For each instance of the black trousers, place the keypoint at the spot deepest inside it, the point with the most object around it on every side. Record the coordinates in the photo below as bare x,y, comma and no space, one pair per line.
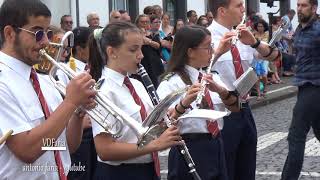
85,156
207,154
240,144
306,114
125,172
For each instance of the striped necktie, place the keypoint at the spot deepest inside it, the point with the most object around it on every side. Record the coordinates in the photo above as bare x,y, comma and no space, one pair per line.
143,114
211,126
45,108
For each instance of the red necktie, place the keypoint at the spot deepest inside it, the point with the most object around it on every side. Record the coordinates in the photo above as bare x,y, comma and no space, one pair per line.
237,65
212,126
143,114
236,61
36,86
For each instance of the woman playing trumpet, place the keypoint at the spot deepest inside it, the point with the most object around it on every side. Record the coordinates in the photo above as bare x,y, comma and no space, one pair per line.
192,50
119,158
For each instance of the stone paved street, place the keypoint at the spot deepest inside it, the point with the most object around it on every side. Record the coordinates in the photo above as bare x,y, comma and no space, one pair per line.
272,123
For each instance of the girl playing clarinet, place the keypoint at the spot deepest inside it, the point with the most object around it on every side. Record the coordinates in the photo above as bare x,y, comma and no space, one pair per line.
119,44
192,50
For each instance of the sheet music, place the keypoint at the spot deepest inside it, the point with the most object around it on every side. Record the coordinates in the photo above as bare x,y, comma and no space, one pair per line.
205,114
245,82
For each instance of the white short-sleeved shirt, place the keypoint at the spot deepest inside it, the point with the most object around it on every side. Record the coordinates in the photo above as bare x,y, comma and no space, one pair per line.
114,89
191,125
224,65
64,78
21,111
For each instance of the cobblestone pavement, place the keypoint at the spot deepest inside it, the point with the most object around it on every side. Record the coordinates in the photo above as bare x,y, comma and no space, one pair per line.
272,123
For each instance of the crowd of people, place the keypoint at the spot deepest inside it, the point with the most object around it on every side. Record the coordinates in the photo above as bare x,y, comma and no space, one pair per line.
174,55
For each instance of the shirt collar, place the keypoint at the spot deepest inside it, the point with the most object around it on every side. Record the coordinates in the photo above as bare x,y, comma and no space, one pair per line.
218,28
115,76
80,65
16,65
193,73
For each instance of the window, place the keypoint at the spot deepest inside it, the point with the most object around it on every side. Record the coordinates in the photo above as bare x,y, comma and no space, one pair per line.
176,9
119,4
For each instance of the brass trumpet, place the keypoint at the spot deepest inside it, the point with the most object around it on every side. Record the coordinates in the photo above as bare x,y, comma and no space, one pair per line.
104,106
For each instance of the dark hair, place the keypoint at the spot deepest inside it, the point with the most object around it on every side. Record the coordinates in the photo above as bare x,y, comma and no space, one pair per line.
81,37
313,2
202,17
121,11
187,37
263,22
148,10
216,4
189,13
174,31
291,11
112,35
64,16
275,20
15,13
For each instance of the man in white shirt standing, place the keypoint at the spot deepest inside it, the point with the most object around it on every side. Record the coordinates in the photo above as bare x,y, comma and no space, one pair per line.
239,133
30,105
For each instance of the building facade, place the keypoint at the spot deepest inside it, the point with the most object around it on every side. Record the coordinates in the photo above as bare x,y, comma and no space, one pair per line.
79,9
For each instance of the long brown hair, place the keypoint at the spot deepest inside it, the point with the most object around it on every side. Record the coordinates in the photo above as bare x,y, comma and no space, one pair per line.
187,37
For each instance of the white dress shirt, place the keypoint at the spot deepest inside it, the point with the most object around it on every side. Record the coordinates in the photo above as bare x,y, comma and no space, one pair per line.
191,125
114,89
224,65
79,68
21,111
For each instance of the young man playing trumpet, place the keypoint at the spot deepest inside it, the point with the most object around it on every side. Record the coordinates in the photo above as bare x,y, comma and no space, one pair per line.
239,133
30,105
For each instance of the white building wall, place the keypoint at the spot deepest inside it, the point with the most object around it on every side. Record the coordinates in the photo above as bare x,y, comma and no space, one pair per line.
58,8
101,7
199,6
144,3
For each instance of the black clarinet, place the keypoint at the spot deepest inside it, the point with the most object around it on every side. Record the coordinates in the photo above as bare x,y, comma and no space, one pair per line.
155,100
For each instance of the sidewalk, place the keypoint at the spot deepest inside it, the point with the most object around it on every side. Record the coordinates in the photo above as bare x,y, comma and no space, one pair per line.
275,92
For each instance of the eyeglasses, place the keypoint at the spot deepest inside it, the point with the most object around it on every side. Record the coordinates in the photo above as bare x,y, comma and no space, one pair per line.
39,34
209,48
144,22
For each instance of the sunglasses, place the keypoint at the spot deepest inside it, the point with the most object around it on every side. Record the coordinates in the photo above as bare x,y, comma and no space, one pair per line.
39,35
